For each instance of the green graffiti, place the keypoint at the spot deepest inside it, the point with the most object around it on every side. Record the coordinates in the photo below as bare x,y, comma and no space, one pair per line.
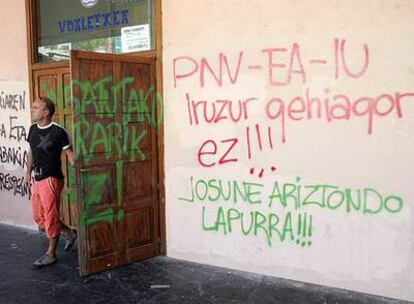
119,184
96,184
143,105
98,137
98,130
106,215
93,95
366,200
50,92
214,190
100,97
121,214
297,195
273,227
288,206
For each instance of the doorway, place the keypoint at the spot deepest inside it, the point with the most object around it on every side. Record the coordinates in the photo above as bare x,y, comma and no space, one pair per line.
110,106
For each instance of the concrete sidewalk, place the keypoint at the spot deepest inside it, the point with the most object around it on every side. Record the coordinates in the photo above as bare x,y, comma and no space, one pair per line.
158,280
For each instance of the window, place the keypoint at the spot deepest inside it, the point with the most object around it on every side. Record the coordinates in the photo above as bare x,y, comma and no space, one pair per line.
106,26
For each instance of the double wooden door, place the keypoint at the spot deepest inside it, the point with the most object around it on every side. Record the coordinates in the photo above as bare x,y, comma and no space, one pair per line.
110,106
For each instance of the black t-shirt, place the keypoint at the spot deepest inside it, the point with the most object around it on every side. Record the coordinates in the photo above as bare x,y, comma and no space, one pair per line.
46,144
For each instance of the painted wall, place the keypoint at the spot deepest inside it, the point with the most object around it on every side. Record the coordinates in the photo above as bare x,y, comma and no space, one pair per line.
14,115
289,139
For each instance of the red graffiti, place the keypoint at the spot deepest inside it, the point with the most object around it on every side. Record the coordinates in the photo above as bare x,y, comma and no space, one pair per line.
254,140
262,171
282,66
279,113
336,107
212,112
275,109
295,65
340,58
184,67
210,147
213,153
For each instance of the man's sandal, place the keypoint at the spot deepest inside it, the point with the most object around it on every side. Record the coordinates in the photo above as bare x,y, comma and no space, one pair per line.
44,260
70,241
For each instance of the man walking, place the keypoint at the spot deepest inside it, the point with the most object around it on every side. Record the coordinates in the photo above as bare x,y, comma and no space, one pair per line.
47,140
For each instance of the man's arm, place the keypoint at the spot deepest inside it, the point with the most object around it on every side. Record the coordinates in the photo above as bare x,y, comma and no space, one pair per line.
28,176
70,155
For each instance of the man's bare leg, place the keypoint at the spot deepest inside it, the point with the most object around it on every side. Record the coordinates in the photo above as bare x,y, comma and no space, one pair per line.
51,250
69,235
50,257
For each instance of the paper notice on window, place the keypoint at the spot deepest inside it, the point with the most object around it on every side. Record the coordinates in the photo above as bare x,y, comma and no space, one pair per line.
135,38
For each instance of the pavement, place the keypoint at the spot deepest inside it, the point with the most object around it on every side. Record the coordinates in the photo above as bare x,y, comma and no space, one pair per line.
159,280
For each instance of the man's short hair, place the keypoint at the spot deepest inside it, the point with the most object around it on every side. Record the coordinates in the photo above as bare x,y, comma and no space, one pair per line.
50,105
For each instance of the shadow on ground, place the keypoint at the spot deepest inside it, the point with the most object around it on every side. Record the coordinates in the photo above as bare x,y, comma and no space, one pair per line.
159,280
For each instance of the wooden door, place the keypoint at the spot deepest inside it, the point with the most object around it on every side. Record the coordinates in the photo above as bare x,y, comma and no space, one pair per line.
114,121
54,83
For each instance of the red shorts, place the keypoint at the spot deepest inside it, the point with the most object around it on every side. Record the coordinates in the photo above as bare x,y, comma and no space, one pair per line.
45,204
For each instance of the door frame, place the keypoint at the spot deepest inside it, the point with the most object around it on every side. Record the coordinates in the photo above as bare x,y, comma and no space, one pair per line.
31,30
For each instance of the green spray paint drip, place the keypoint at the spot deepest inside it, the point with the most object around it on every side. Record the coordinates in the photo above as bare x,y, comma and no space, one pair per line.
121,214
119,184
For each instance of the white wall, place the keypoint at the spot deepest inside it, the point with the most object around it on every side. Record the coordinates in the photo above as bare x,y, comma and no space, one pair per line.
14,115
369,151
